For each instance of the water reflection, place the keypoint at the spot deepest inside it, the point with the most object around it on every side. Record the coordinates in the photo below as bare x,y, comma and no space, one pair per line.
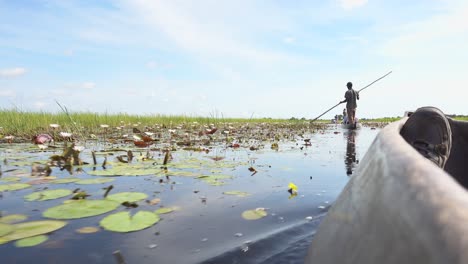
350,157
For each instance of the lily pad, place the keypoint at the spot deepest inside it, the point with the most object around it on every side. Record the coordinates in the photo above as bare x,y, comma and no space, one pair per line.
254,214
10,179
94,181
127,170
5,229
123,222
30,229
11,219
237,193
215,180
87,230
164,210
31,241
13,186
81,209
130,197
47,195
65,180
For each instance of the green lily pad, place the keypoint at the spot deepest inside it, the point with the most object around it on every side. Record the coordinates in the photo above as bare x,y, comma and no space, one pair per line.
65,180
94,181
47,195
182,173
254,214
11,219
13,186
31,241
81,209
130,197
215,180
123,222
10,179
127,170
5,229
237,193
30,229
164,210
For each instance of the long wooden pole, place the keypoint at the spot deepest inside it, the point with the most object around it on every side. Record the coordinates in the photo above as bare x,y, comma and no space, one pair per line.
358,92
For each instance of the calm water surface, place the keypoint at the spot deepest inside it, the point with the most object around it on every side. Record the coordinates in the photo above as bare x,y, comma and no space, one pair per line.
207,227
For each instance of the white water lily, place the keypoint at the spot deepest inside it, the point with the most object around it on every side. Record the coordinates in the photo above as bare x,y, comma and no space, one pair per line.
149,133
171,130
65,134
78,148
42,146
104,126
9,137
54,125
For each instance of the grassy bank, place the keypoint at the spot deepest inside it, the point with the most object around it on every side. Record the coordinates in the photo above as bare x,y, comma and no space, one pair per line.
27,124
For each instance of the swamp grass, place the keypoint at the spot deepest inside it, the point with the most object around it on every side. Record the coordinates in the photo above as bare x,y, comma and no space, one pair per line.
27,124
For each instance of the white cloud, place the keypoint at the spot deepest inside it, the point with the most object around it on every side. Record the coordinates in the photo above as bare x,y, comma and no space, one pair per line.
350,4
88,85
12,72
7,93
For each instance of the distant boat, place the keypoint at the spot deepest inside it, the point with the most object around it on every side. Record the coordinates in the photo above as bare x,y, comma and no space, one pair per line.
399,207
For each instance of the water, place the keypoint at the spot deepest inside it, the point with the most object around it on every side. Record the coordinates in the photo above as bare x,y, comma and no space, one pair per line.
208,227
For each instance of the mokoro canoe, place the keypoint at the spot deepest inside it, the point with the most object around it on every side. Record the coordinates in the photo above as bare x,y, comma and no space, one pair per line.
398,207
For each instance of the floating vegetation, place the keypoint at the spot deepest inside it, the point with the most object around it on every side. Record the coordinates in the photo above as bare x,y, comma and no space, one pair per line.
13,186
10,179
81,209
130,197
214,180
31,229
254,214
237,193
13,218
47,195
123,222
164,210
31,241
126,169
87,230
64,180
5,229
94,181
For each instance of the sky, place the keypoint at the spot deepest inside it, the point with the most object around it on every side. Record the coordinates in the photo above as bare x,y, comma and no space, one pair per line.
242,58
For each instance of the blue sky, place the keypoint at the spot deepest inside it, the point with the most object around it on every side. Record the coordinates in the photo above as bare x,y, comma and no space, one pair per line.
238,58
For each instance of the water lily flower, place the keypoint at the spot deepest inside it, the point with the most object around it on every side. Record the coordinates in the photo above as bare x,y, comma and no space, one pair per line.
292,188
171,130
104,126
65,134
149,133
54,125
78,148
9,138
42,147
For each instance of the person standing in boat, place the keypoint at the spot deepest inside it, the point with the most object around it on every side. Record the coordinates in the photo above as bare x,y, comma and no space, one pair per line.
351,97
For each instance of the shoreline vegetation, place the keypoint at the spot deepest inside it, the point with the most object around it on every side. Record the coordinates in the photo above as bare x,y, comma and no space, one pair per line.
27,124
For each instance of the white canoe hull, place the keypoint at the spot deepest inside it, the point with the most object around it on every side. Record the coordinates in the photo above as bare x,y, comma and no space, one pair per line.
398,207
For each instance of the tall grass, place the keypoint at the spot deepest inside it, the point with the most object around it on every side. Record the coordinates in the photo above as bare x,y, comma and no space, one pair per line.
26,124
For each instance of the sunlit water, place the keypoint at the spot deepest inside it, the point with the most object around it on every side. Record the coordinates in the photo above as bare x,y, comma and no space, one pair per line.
208,227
